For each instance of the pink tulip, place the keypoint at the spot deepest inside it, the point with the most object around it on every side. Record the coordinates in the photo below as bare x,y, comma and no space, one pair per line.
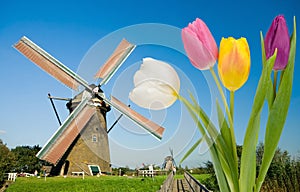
199,45
278,37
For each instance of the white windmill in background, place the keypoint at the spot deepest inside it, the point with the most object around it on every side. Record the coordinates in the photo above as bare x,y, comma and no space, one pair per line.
169,162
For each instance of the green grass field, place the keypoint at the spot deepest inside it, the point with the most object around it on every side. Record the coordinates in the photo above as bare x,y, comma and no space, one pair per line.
201,177
89,184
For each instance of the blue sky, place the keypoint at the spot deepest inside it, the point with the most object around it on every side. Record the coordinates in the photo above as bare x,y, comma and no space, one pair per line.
70,31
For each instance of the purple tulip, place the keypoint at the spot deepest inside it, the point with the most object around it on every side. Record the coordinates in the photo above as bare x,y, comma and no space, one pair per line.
278,37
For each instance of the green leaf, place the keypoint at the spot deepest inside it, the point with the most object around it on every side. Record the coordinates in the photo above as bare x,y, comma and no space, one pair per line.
226,135
278,112
229,168
225,153
263,53
225,132
208,124
270,92
190,107
189,152
248,159
210,128
222,181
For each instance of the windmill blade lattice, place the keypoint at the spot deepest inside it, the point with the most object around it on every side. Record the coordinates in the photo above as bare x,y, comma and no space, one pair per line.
113,63
49,64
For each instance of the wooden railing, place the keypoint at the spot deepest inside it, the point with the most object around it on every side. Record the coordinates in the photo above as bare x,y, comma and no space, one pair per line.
194,184
168,183
189,183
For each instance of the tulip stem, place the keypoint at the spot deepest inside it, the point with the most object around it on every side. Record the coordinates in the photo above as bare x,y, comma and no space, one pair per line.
232,104
222,96
228,114
275,84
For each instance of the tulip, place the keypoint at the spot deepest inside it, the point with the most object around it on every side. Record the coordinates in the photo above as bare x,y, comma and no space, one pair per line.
199,45
234,62
156,85
278,37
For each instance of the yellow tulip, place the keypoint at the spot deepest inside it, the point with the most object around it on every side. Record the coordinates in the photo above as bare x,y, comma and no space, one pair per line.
234,62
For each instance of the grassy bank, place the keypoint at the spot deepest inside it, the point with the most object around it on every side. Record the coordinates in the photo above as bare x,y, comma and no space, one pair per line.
201,178
89,184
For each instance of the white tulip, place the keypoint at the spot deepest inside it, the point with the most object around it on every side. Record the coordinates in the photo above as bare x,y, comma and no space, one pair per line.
156,85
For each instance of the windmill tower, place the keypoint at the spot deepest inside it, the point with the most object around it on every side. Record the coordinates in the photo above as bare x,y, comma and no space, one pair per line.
92,139
81,142
169,162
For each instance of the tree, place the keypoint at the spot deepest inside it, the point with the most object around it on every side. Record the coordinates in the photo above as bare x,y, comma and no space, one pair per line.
211,182
26,161
6,161
283,173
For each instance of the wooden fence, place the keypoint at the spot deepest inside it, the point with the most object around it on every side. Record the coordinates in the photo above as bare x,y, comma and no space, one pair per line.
168,183
194,184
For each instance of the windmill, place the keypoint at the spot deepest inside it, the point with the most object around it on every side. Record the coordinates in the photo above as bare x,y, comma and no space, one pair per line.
80,144
169,162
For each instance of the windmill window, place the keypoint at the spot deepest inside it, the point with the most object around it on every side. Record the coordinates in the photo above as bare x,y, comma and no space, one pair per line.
94,139
94,169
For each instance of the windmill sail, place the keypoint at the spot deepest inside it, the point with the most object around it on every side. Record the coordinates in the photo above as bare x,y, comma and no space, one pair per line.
155,129
49,64
65,75
61,140
119,55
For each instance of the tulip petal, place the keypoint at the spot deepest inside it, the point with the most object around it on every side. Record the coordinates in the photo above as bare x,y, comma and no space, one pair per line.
152,69
278,38
156,85
198,54
199,45
234,62
153,95
206,37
